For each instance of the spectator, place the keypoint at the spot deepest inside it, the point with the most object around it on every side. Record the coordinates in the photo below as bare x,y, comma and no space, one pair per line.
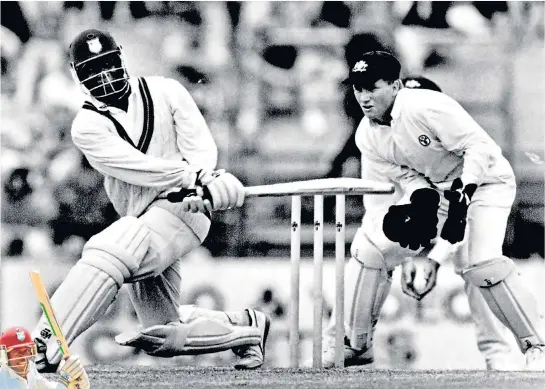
13,19
25,198
27,205
57,89
43,52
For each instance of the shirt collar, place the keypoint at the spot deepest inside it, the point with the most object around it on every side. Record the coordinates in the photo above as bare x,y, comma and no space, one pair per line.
396,109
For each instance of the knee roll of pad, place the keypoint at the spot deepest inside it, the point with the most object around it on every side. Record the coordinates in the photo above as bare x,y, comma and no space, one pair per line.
490,272
119,249
365,252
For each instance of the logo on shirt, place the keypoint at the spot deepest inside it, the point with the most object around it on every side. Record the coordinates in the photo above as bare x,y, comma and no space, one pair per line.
424,140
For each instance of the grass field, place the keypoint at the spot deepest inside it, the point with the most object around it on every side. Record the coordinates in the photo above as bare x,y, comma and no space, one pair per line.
134,377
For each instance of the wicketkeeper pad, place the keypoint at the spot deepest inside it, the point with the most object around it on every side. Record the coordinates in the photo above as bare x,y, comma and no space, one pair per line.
200,336
367,286
507,297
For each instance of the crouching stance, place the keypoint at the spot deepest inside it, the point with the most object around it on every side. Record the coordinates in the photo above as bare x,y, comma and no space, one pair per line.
18,370
455,181
147,137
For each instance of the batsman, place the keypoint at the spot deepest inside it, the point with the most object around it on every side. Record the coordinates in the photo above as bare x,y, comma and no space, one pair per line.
147,136
455,184
18,369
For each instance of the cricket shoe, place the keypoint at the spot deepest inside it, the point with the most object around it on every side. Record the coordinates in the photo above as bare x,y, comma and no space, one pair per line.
352,357
535,358
252,357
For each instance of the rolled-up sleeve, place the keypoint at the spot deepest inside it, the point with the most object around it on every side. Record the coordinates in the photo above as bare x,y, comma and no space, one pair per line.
112,156
194,138
461,134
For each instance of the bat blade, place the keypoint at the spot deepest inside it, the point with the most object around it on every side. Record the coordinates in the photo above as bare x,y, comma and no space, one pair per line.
47,308
324,186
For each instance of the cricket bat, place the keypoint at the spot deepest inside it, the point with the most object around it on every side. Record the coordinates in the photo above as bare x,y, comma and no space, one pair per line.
43,298
323,186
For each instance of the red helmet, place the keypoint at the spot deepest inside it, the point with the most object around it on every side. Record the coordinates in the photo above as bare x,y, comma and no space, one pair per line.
20,348
97,64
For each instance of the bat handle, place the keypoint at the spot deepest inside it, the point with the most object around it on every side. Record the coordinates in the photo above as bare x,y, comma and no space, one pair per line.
178,197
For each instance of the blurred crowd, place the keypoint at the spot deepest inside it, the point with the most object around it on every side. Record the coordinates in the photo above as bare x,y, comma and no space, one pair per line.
243,62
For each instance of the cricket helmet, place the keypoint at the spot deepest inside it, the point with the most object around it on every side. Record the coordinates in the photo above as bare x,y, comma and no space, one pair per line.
97,64
20,349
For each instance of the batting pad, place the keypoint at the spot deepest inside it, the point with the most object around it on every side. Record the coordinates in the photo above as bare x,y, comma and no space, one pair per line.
200,336
503,290
108,259
82,298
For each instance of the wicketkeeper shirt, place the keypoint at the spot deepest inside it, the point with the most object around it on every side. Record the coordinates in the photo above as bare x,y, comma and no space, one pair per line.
431,139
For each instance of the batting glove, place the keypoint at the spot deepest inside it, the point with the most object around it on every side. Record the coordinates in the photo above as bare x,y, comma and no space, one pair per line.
194,201
216,190
72,374
223,189
48,357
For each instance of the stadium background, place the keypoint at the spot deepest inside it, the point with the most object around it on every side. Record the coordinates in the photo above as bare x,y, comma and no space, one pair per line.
267,77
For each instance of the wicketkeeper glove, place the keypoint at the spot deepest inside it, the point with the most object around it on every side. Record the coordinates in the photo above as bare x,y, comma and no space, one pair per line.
415,224
459,197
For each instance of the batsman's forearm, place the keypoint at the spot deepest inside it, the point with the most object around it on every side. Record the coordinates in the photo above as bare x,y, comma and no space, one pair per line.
112,156
143,173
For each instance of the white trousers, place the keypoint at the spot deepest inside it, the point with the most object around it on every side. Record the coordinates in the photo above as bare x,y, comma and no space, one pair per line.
487,222
155,288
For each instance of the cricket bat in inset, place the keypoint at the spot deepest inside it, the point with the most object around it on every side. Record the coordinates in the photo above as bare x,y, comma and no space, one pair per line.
43,298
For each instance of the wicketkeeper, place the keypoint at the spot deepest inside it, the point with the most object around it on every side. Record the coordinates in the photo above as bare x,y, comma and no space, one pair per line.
492,337
456,183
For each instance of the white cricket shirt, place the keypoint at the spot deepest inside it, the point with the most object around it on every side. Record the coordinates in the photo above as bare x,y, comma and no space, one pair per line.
175,143
432,139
